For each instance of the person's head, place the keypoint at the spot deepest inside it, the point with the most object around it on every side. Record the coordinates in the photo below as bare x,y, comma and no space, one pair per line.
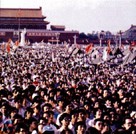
74,116
17,119
33,123
98,124
13,111
96,104
52,116
41,124
60,102
106,127
37,109
48,116
120,92
116,104
128,123
68,108
65,119
106,116
105,93
108,102
98,113
47,107
87,106
81,114
80,127
4,109
133,114
18,104
28,113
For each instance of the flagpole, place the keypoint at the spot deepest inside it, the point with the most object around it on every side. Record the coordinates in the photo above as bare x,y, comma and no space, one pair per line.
19,23
100,42
75,37
120,33
57,37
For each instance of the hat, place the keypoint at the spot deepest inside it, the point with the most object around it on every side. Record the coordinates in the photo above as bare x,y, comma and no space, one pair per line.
133,113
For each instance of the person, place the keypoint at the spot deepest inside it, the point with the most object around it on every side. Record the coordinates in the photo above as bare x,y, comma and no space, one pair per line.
97,115
128,125
48,127
97,128
74,116
80,127
67,109
22,129
64,122
30,77
41,124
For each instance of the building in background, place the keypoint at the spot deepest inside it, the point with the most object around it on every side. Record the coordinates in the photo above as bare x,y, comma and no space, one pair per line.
14,20
130,34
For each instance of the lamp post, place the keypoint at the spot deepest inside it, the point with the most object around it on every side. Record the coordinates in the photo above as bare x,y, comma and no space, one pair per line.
101,36
120,36
116,40
57,37
75,37
52,40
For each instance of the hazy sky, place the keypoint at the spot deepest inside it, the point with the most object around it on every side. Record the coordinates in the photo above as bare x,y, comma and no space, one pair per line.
83,15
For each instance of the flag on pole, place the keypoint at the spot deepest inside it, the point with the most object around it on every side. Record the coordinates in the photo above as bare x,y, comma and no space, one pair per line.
108,47
89,48
8,46
133,44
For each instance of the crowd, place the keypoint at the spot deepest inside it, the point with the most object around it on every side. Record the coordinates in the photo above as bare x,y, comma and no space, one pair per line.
46,91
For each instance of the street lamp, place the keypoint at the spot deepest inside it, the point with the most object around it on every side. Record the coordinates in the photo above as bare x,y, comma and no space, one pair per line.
75,41
101,36
57,37
120,36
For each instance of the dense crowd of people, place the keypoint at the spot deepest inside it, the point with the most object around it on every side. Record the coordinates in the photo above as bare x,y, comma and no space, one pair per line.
46,91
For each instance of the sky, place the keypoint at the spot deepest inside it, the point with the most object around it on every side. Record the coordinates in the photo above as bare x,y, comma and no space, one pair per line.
83,15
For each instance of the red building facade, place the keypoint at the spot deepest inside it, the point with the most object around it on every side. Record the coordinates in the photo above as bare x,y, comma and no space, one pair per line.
14,20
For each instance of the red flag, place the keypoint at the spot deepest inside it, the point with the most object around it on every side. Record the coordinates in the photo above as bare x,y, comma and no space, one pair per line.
8,47
109,48
89,48
109,42
133,43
